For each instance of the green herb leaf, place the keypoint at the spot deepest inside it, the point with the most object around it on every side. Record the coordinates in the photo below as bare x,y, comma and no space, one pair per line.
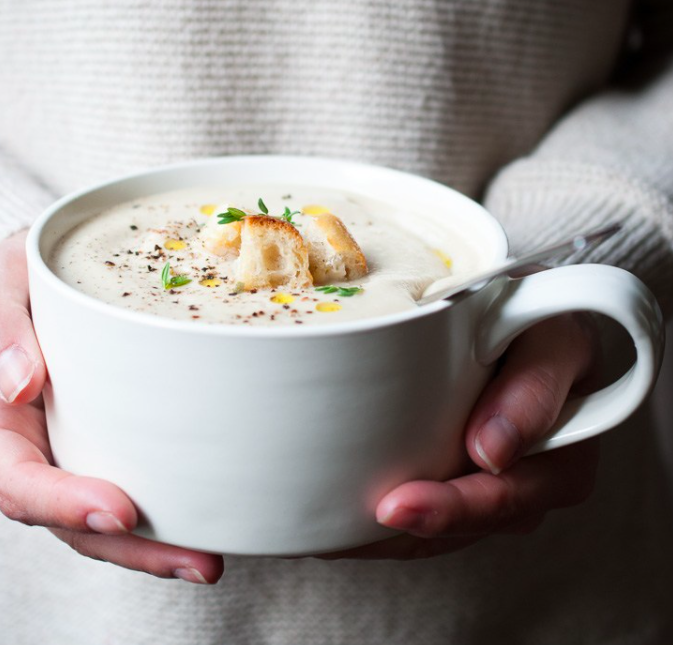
347,292
179,281
288,215
344,292
236,215
165,274
171,282
231,215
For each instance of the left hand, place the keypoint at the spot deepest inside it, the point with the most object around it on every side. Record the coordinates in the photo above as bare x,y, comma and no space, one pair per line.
510,493
93,516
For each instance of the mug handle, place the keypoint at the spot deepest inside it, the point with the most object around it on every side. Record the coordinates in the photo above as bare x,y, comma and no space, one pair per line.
588,287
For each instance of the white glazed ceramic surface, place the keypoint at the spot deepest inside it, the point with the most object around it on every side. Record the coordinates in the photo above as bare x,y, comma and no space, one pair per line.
280,441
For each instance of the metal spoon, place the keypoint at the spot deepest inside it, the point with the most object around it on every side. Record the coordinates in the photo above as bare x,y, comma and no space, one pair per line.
577,243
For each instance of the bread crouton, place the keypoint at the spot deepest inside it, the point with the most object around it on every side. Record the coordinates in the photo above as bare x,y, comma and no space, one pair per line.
334,256
272,254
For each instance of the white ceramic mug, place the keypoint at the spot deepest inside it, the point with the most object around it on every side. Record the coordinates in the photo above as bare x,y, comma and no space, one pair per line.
281,441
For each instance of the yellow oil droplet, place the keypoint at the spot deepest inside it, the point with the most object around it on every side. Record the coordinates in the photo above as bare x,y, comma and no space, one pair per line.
282,298
174,245
208,209
314,209
328,307
444,258
210,282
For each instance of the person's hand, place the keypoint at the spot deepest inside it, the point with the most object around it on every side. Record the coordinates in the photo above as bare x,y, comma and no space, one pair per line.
510,493
93,516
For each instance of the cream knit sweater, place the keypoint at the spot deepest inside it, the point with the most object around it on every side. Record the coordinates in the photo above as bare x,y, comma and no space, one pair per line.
559,115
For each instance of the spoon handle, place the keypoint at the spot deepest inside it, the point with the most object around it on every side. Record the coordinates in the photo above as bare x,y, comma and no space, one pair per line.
577,243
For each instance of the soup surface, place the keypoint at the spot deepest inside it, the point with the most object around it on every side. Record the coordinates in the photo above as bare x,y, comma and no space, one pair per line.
149,255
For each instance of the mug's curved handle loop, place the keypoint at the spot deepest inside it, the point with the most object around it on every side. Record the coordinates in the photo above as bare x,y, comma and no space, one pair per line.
589,287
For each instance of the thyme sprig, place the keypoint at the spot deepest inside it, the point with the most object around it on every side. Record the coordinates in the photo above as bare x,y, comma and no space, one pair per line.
288,215
231,215
344,292
170,282
236,215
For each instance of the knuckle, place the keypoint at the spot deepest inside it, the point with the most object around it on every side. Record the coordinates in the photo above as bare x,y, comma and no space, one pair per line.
506,506
13,511
503,507
498,493
16,314
543,387
76,542
79,542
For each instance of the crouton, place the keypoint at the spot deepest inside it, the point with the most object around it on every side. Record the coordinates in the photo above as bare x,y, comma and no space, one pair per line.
334,256
272,254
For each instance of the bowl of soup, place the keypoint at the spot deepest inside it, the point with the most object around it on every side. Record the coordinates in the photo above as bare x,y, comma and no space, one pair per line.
271,419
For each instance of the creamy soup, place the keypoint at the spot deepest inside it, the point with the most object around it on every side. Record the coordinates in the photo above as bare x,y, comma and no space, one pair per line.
149,255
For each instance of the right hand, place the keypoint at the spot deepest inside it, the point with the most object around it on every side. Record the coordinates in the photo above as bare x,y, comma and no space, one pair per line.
91,515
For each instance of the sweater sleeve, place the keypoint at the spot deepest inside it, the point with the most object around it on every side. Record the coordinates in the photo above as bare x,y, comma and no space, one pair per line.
609,159
22,196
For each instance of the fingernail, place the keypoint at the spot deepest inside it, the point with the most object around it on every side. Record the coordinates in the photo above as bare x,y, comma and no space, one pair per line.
104,522
190,574
16,370
498,443
405,519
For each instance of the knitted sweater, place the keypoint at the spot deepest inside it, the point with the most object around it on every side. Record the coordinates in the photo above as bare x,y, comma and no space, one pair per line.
558,115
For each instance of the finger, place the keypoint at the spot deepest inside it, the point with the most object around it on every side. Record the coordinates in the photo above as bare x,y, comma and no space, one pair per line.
33,492
482,503
22,370
139,554
519,407
29,422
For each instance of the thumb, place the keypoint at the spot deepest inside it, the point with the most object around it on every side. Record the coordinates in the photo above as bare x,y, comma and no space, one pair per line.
22,369
519,407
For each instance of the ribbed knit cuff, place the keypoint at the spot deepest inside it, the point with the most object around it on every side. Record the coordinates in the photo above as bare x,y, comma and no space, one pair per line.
540,202
22,197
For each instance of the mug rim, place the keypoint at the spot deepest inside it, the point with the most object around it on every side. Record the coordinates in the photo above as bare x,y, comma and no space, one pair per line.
37,263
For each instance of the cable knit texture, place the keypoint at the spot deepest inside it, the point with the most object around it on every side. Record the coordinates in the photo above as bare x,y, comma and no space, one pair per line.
557,114
22,196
